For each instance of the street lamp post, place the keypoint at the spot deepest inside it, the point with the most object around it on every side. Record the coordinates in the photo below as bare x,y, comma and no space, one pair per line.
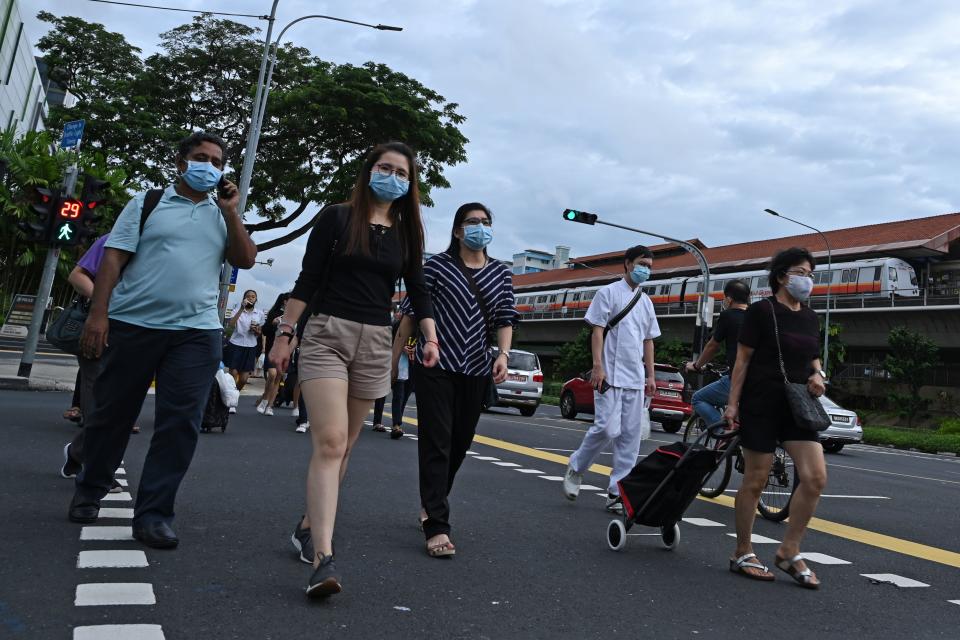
826,321
256,119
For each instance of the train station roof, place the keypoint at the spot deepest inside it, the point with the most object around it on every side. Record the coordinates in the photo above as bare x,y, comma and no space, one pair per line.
932,237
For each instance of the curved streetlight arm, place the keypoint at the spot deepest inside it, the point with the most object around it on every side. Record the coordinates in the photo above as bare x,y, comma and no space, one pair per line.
826,321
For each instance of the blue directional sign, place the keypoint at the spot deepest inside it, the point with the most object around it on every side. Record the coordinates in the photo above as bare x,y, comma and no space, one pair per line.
72,132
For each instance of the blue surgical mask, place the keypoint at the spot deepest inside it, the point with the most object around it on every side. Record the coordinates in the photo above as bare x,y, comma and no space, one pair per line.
477,236
388,188
201,176
640,274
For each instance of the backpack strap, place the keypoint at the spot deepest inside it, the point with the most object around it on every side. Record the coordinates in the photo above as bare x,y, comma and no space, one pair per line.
150,202
623,312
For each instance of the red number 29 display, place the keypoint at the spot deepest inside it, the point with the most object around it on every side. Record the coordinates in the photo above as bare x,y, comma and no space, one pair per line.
70,209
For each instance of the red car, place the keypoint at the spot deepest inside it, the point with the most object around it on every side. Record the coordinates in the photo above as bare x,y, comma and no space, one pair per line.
668,406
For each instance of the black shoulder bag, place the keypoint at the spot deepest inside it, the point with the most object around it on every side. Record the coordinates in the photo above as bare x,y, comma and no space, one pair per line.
65,332
490,398
614,321
806,409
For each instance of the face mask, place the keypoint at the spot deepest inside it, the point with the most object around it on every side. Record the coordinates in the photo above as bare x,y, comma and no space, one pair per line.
640,274
201,176
799,287
477,236
388,188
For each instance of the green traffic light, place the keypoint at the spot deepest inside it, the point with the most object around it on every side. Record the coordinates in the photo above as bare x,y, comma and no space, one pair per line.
65,233
571,215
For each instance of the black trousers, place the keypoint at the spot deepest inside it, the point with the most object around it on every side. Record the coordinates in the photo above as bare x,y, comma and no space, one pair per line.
86,377
400,393
184,362
448,409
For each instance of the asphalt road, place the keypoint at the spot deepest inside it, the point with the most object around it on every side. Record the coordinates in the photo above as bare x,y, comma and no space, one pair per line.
529,564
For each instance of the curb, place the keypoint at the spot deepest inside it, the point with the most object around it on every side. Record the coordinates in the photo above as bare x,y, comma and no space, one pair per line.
16,383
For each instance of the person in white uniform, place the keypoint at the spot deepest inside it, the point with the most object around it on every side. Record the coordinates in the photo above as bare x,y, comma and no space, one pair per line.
624,361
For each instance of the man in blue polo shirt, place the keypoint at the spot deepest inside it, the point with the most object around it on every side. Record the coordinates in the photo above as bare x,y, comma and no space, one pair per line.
159,320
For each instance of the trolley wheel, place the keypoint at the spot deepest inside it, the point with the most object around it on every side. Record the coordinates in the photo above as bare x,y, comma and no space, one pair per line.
616,535
670,537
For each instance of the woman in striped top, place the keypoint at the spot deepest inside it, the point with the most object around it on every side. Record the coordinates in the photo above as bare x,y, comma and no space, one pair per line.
449,395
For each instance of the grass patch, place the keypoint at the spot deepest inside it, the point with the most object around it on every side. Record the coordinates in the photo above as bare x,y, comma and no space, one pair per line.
928,441
554,400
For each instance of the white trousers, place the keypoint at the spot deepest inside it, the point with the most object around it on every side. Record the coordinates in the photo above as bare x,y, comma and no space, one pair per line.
618,419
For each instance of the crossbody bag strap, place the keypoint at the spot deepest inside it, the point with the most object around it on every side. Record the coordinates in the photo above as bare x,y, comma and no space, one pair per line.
623,312
472,283
776,335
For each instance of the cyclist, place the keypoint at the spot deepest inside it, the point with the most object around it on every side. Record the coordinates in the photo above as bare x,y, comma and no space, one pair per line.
709,400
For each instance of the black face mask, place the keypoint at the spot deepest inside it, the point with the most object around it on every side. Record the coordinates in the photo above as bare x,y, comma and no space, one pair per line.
248,305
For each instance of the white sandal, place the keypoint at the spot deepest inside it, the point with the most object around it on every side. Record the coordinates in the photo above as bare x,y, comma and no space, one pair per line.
741,564
804,578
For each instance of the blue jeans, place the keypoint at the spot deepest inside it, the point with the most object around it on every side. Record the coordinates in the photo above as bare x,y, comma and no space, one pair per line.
708,400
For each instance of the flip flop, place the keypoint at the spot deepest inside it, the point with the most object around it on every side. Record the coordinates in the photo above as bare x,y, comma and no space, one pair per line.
804,578
396,433
442,550
741,564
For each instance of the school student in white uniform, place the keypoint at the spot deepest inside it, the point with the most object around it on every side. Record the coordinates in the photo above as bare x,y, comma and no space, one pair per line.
624,361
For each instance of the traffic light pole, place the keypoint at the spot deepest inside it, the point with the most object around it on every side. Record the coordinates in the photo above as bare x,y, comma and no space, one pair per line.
46,284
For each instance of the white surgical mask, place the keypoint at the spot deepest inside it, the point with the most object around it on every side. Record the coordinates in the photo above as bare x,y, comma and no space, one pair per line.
799,287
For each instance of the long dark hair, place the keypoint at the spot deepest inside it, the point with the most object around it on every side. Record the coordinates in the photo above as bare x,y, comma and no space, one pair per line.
454,249
277,309
405,210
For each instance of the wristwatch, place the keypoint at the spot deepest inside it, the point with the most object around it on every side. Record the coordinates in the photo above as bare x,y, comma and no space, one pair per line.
504,353
823,374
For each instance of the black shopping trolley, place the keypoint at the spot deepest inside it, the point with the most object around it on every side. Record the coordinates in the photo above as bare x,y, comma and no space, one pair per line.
658,490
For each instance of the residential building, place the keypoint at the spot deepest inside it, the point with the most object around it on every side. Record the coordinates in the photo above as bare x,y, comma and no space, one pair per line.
535,261
22,95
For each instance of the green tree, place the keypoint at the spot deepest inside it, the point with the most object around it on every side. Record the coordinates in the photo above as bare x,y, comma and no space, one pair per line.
672,352
838,349
576,356
911,355
321,118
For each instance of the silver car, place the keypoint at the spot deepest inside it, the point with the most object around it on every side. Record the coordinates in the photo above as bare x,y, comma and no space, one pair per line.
523,387
844,427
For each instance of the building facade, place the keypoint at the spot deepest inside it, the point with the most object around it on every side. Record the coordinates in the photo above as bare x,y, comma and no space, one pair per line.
22,97
535,261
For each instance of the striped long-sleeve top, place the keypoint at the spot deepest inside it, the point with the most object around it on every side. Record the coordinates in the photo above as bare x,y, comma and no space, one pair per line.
464,346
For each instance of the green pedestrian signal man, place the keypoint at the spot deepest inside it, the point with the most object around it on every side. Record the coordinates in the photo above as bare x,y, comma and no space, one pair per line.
65,232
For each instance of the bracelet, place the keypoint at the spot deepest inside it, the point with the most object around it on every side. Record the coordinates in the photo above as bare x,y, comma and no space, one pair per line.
289,335
285,324
434,342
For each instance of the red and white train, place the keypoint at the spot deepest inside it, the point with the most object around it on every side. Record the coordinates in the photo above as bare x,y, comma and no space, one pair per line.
872,277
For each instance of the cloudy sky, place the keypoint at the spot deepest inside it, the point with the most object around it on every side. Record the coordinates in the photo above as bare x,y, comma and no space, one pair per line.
683,117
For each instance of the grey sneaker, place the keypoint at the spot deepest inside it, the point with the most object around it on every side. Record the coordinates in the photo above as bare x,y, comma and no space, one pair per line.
571,483
325,580
70,467
302,542
614,504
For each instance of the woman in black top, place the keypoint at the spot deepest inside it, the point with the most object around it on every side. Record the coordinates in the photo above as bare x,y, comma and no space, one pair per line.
270,374
356,252
449,396
758,405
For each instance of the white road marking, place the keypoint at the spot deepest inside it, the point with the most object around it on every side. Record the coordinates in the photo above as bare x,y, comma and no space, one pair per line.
471,453
489,458
822,558
756,538
122,482
954,601
119,632
106,533
602,494
114,593
115,512
590,487
825,495
536,471
554,478
123,496
703,522
893,578
120,472
506,464
891,473
111,559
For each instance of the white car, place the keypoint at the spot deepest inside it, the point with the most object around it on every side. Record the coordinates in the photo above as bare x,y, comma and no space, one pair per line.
844,427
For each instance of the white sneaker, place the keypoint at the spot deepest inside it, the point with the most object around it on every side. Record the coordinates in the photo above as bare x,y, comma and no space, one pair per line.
302,428
571,483
262,406
295,412
268,411
614,504
232,410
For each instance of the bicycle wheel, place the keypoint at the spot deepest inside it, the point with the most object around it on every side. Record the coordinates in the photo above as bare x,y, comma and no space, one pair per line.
782,481
693,428
717,481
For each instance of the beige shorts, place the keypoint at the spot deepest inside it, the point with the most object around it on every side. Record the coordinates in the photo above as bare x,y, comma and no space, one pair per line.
358,353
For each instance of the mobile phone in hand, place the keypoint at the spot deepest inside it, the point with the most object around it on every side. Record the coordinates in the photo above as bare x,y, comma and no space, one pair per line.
603,387
222,189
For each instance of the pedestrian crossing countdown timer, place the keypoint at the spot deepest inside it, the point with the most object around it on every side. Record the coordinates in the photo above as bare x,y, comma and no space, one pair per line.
66,230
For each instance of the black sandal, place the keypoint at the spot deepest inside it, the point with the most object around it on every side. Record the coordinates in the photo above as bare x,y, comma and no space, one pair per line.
396,433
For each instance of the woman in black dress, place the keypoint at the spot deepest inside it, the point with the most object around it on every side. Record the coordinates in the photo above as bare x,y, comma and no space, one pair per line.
758,406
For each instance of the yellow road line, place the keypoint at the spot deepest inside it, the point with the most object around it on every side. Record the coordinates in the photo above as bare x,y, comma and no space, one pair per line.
863,536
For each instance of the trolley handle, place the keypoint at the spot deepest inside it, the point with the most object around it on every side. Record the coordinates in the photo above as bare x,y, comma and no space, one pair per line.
721,431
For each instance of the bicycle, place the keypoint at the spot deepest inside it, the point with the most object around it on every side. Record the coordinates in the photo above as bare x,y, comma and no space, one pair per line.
782,480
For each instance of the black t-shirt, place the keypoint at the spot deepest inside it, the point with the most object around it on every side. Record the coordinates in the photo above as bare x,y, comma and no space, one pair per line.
358,287
799,339
727,332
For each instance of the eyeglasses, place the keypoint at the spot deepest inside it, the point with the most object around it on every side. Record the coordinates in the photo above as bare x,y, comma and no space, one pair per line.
386,169
801,273
472,222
